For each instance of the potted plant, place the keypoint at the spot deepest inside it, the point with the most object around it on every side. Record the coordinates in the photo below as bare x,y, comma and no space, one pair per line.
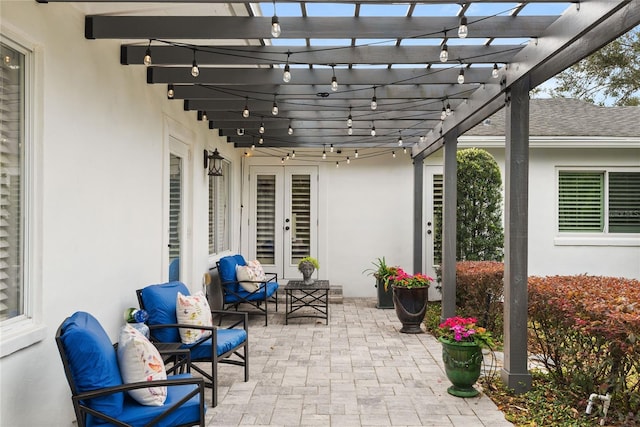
307,266
462,342
410,297
382,272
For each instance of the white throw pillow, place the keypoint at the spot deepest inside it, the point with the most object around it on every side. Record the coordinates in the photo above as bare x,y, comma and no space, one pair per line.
139,360
258,271
247,278
193,310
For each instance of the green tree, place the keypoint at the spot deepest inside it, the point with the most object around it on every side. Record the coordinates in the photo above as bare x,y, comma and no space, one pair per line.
610,75
479,215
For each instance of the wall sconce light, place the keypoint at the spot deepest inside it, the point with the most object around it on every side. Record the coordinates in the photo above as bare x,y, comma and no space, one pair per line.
213,162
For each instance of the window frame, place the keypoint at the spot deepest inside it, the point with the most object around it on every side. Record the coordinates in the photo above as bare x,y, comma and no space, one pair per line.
27,329
593,238
212,199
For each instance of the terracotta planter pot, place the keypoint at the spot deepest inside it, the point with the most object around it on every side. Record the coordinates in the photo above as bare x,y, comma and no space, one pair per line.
462,363
411,307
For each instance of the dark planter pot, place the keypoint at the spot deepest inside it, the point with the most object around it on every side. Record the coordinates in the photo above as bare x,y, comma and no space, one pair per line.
462,363
411,307
385,298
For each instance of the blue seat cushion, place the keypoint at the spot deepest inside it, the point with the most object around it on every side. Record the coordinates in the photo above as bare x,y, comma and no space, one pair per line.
227,339
242,295
160,302
92,360
227,267
137,415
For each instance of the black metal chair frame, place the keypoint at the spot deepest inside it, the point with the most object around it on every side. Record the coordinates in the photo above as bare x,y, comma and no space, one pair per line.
227,289
79,399
241,352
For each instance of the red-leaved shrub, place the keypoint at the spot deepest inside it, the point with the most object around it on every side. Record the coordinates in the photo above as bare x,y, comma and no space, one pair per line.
588,330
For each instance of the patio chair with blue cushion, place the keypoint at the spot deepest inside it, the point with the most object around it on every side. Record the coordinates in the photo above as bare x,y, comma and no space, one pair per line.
100,396
255,292
224,344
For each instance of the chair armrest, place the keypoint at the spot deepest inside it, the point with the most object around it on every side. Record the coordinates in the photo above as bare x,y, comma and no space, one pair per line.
133,386
242,315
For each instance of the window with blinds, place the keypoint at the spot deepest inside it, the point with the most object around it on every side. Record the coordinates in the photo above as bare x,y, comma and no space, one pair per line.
599,201
300,217
437,218
175,205
12,120
219,214
624,202
265,218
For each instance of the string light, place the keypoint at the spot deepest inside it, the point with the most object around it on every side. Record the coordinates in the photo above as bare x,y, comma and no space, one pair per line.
373,129
374,100
448,109
147,55
348,160
253,146
349,130
444,53
405,150
245,112
293,154
170,91
463,30
261,128
286,76
356,154
400,139
494,72
393,153
421,139
337,165
443,114
261,141
324,154
349,119
195,71
290,129
204,116
334,81
275,23
461,76
331,148
274,109
282,160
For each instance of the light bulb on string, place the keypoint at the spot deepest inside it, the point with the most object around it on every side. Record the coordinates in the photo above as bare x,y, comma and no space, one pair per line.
400,142
463,30
334,80
448,109
288,157
147,55
253,147
356,154
374,100
170,91
293,154
373,129
421,139
261,140
349,130
461,76
245,112
261,128
494,72
337,165
331,148
349,119
274,109
286,76
443,114
290,130
282,160
405,150
348,160
275,23
324,154
444,52
195,71
204,116
393,153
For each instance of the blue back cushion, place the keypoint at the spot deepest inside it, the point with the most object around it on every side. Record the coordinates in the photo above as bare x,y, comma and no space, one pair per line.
227,267
160,302
92,360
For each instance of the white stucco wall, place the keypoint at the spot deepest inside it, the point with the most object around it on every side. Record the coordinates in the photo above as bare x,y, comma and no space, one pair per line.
101,136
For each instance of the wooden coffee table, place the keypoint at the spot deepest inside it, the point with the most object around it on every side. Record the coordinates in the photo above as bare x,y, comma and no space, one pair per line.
307,300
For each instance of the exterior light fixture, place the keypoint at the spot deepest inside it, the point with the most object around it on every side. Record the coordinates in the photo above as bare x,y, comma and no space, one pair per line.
463,30
147,55
245,112
170,91
494,72
213,162
334,80
461,76
195,71
275,23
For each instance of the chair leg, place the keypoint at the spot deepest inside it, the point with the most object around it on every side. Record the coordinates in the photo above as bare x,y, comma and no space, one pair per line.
214,381
246,362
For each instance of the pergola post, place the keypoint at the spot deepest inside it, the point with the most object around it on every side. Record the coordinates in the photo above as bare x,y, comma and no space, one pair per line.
418,203
515,373
449,207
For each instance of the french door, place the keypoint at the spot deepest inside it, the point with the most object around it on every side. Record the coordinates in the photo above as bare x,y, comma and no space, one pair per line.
283,217
433,223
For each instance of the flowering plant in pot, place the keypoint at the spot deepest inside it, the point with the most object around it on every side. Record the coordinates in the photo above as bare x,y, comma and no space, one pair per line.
462,342
382,273
410,298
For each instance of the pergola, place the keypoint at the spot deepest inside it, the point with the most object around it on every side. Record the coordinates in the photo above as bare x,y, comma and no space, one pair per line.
220,58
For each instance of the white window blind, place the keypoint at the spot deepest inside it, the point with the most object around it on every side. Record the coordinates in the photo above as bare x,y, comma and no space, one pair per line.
581,201
624,202
437,218
300,217
265,218
12,108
